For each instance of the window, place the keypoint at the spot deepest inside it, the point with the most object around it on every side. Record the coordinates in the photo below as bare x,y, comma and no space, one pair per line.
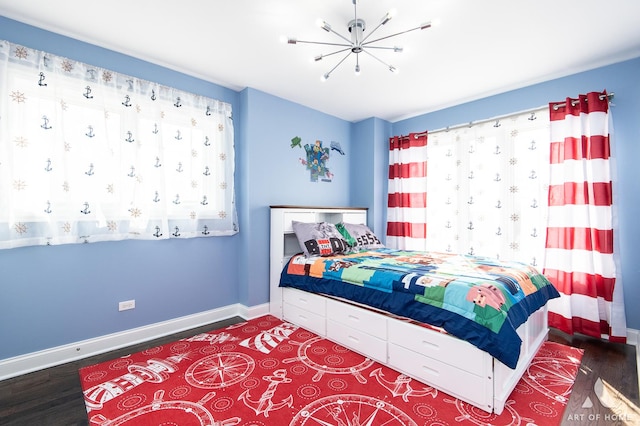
87,154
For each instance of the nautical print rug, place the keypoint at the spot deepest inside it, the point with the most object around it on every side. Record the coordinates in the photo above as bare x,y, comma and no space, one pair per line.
269,372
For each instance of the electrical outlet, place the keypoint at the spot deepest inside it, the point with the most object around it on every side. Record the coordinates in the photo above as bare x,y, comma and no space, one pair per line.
127,304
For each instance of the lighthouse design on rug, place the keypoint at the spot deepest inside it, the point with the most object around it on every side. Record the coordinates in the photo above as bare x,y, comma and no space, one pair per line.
154,371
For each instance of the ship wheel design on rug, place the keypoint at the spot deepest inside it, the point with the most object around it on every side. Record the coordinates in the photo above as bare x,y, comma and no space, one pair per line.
323,356
481,418
182,412
551,377
219,370
353,410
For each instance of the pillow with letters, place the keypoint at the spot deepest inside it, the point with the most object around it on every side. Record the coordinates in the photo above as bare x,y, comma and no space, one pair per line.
319,239
359,236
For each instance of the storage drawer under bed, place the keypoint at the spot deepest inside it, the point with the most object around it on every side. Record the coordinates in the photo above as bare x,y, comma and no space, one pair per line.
472,388
440,346
357,340
358,318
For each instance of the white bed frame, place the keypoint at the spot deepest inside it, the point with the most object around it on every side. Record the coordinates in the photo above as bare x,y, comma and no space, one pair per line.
447,363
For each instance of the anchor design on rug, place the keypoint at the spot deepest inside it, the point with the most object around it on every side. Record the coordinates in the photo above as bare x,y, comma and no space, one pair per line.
265,403
401,386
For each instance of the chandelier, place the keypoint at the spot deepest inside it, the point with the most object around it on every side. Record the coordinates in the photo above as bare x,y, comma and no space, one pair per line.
357,43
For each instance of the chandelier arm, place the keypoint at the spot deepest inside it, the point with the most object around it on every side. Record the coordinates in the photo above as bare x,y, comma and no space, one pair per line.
338,64
323,43
385,48
369,35
333,53
340,35
391,67
397,34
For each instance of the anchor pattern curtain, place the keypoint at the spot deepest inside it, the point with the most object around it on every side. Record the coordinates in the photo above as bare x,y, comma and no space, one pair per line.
580,256
88,154
407,197
476,189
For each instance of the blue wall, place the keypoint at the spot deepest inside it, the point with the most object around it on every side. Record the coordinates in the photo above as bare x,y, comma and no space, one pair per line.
271,174
50,296
621,79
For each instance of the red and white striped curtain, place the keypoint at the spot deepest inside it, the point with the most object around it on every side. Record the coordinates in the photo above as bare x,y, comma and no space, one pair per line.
407,201
580,254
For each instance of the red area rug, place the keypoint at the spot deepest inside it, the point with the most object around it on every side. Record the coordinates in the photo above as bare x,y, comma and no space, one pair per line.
266,372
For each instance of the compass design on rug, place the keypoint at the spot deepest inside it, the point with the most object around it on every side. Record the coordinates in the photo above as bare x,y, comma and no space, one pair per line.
353,410
220,370
183,412
318,352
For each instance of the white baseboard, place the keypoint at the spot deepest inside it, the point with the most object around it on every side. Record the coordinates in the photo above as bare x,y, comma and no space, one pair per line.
253,311
22,364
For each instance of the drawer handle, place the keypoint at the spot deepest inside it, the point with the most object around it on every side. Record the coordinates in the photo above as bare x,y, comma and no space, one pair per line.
431,371
353,317
302,300
302,317
355,339
433,345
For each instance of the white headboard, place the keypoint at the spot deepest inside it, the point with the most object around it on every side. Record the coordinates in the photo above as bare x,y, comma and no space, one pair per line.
284,244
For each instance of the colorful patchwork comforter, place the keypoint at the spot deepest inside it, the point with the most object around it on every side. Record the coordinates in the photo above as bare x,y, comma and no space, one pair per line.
477,299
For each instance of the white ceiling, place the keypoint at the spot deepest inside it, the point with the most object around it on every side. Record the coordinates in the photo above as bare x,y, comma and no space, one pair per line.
478,49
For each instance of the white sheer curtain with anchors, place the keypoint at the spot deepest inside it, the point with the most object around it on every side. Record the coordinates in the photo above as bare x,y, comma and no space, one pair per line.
88,154
486,188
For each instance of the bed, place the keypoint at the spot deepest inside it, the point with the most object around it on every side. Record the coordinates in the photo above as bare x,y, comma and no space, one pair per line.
477,358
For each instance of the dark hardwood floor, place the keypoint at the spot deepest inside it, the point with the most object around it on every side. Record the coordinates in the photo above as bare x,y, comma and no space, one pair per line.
54,397
615,365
